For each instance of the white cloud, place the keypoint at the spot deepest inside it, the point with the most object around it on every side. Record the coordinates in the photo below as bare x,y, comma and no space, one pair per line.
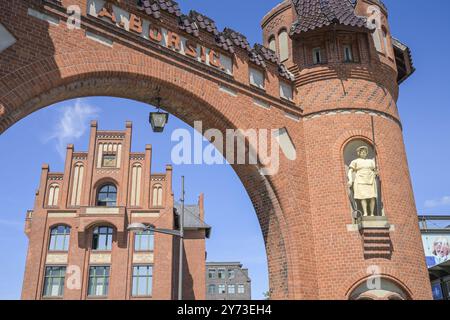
8,224
444,201
72,124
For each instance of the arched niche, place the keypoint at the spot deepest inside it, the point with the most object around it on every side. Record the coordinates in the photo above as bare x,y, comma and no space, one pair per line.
379,289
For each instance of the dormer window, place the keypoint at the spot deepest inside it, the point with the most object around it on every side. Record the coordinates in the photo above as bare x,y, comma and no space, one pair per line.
348,53
109,160
317,55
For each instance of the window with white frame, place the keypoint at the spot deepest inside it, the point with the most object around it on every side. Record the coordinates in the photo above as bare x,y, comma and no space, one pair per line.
286,91
231,289
317,55
144,241
221,273
211,273
54,281
59,238
142,281
222,289
241,289
211,289
256,78
98,285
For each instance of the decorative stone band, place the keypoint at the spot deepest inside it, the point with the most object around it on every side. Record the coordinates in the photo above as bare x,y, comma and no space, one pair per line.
102,210
54,258
334,112
145,214
100,258
62,214
143,258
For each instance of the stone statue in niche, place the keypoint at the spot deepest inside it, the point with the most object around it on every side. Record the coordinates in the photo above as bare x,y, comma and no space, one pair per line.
362,177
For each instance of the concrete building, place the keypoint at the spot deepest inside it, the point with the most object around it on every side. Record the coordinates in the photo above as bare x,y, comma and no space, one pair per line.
227,281
79,246
435,231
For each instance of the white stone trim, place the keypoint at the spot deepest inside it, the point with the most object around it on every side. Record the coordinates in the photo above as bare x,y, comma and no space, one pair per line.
100,258
143,258
53,258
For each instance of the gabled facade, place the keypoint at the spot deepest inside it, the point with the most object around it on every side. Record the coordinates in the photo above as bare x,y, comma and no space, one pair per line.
79,246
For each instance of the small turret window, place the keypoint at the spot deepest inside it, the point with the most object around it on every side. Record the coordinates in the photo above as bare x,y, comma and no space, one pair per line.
283,43
317,56
348,53
272,44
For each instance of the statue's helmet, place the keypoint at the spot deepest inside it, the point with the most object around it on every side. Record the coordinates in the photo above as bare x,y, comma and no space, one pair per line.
361,149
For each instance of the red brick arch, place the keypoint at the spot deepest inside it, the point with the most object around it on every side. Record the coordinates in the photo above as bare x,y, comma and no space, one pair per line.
137,77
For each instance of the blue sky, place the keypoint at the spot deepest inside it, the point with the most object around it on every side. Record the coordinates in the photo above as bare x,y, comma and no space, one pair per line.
42,136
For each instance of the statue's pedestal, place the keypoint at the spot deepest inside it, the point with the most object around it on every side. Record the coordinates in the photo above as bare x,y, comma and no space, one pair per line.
375,223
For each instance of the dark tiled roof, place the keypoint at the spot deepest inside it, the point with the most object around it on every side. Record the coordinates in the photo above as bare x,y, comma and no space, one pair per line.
229,39
314,14
204,22
192,217
155,7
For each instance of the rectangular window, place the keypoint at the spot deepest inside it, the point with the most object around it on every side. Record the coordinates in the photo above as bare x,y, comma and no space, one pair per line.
98,281
241,289
256,78
54,281
142,281
211,289
59,238
109,160
211,273
102,239
231,289
222,289
221,273
144,241
230,274
437,291
317,56
286,91
348,53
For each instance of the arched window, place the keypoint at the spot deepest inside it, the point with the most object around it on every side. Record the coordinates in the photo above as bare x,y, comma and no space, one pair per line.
377,40
283,44
77,184
385,40
53,195
59,238
107,196
136,173
157,195
102,238
272,44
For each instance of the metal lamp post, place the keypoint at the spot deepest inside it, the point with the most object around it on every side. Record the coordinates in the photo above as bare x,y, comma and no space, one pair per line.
140,227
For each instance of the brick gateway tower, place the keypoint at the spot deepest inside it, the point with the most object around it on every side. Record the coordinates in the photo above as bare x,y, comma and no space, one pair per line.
327,71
